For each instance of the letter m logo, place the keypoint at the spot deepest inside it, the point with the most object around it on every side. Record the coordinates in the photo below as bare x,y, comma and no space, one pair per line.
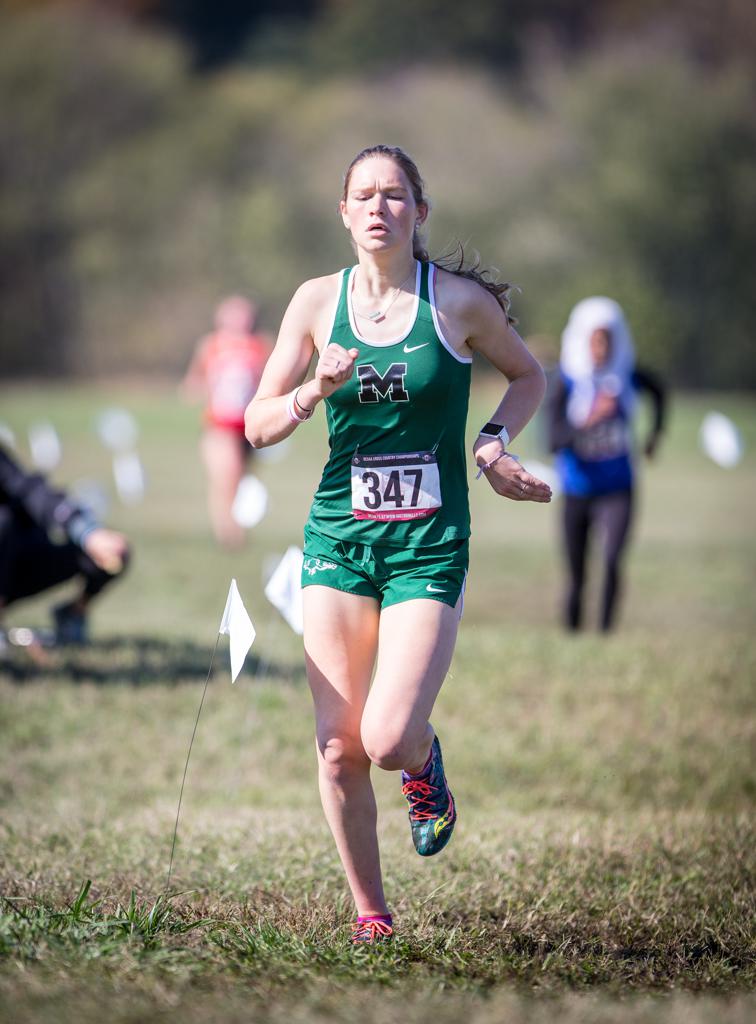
374,387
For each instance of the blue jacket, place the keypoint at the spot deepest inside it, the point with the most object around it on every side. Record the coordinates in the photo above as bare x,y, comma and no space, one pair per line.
597,460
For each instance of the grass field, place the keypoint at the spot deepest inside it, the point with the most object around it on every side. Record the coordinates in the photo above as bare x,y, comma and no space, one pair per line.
603,867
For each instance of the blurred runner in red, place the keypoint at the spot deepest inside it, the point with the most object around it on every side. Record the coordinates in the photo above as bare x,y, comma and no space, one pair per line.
225,370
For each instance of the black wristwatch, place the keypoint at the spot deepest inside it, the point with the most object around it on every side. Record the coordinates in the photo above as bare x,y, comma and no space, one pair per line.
495,430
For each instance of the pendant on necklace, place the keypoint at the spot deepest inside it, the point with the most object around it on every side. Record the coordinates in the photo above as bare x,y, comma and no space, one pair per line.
380,314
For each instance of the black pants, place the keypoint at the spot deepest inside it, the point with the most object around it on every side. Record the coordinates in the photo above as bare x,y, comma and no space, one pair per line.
31,563
612,515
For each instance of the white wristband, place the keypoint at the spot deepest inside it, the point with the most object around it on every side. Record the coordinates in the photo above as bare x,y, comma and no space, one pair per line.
293,407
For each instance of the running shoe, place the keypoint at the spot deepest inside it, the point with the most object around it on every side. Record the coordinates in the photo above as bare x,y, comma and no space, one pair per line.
371,933
432,813
70,625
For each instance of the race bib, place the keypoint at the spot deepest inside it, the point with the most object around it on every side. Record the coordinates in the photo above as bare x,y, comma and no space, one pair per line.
606,440
395,487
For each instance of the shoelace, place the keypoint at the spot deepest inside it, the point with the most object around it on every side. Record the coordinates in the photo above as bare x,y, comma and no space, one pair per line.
371,931
418,793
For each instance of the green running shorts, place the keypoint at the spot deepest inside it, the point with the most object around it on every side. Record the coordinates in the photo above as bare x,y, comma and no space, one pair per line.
390,575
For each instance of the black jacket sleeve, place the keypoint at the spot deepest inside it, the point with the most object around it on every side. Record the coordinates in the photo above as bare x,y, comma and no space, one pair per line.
644,380
31,498
561,432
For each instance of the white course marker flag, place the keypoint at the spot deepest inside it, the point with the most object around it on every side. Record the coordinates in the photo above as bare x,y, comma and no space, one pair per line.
44,443
128,473
284,588
237,625
250,503
720,439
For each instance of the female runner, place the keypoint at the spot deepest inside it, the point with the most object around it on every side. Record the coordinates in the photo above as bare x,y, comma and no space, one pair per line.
386,543
225,370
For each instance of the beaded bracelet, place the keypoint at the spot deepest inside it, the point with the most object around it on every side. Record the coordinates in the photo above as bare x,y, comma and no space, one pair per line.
291,408
494,460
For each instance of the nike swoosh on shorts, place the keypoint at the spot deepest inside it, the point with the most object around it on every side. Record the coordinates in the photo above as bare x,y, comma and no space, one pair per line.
434,590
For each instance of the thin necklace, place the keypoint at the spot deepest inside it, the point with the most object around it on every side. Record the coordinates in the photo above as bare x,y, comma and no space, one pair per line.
380,314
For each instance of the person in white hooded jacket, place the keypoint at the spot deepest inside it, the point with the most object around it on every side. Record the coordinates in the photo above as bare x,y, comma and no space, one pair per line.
591,415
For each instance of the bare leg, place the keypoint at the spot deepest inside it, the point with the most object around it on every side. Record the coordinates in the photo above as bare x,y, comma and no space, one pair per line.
224,465
387,724
341,635
416,645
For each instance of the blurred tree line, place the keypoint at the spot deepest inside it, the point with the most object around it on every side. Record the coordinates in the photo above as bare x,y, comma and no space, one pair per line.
155,155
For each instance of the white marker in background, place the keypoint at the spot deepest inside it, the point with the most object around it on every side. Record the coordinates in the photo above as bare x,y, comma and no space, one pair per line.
44,445
129,477
720,439
117,429
7,437
250,503
284,588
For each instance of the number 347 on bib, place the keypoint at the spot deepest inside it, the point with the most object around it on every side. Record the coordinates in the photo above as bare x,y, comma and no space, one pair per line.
395,487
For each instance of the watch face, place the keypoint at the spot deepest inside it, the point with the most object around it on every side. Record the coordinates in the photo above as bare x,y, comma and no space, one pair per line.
491,429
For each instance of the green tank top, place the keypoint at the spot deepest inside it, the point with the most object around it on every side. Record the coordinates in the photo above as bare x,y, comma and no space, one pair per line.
397,471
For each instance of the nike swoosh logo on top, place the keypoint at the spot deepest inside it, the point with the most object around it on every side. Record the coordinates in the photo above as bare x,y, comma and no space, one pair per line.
434,590
414,348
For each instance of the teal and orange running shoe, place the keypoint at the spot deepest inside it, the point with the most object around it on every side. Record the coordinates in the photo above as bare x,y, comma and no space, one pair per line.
372,931
432,812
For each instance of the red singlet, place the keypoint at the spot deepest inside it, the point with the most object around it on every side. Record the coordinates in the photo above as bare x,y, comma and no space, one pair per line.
232,365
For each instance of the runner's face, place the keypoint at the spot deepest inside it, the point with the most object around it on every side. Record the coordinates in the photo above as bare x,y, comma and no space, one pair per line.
600,346
380,210
236,315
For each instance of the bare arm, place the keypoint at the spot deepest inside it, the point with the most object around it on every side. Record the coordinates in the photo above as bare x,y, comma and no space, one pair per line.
502,346
303,332
487,332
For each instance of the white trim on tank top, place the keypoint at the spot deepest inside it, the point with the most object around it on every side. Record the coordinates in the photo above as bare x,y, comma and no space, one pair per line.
393,341
436,324
336,306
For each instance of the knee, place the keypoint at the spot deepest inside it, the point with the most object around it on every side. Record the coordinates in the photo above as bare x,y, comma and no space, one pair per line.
342,758
389,747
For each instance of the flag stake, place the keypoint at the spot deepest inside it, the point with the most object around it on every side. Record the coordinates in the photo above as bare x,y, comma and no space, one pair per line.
237,625
186,766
